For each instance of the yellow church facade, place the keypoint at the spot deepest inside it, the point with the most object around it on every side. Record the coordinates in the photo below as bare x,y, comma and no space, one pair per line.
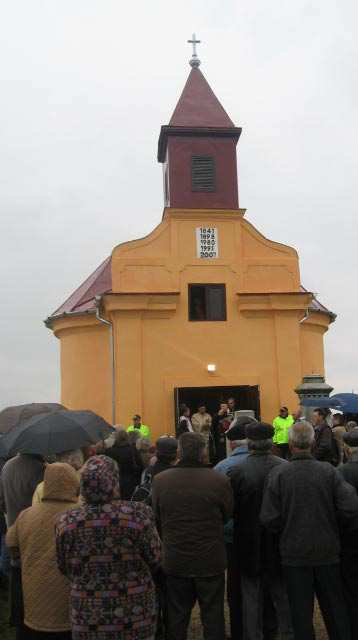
203,308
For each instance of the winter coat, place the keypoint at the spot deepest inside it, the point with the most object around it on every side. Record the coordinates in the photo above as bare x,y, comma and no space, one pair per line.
304,501
46,591
191,504
130,467
349,538
19,479
256,547
349,471
108,549
323,448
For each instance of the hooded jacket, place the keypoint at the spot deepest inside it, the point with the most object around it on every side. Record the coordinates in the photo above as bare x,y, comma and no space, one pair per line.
46,591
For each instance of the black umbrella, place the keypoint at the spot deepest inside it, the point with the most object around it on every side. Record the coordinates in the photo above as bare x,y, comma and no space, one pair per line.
12,416
51,433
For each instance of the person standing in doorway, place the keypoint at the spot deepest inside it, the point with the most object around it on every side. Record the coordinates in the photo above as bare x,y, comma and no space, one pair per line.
281,425
231,403
220,425
184,424
201,422
143,429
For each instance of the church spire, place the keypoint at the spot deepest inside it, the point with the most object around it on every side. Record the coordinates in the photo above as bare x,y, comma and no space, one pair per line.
198,105
198,148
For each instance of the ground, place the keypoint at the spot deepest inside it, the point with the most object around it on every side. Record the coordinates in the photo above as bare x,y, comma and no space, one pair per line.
195,634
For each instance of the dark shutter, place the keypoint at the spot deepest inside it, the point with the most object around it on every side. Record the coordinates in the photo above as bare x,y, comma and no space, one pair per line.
216,302
202,173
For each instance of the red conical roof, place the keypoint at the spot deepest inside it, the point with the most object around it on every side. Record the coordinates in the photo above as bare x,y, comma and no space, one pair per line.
198,105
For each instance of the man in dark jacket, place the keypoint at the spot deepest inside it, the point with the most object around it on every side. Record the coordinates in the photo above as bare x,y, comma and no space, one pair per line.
166,450
323,447
304,502
257,549
191,503
349,540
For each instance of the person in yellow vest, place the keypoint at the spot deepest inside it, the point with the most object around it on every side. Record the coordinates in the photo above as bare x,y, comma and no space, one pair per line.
282,424
142,428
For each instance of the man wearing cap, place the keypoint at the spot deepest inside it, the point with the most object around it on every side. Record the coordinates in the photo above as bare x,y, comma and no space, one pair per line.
138,426
349,539
166,449
257,549
236,437
282,424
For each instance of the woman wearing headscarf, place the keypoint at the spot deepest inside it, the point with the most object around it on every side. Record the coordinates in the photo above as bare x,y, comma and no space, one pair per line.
46,591
109,549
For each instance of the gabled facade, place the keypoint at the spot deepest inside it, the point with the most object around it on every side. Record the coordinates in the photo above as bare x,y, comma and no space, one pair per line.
204,288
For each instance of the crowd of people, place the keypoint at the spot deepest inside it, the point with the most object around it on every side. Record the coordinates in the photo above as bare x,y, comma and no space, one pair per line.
120,541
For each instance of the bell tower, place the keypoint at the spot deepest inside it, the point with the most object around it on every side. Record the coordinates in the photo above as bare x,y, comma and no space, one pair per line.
198,148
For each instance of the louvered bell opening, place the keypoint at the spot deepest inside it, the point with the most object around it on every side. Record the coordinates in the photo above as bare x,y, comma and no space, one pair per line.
202,173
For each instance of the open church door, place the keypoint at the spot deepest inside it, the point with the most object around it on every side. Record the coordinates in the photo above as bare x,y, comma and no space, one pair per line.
247,397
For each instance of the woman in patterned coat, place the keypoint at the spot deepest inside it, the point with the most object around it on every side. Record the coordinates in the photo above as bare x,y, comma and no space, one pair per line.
109,549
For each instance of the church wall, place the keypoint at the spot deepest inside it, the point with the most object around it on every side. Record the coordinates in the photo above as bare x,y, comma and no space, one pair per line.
85,365
159,349
160,352
312,344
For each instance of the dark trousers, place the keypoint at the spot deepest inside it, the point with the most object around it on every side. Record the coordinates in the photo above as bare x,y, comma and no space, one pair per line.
283,451
31,634
233,590
182,594
324,581
349,569
254,599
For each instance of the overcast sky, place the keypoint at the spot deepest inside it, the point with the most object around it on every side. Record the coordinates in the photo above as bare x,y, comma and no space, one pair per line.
85,87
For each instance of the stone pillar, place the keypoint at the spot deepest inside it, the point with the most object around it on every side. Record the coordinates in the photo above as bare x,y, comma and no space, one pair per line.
312,387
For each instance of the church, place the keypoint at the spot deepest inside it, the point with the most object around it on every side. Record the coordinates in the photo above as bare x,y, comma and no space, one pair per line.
203,308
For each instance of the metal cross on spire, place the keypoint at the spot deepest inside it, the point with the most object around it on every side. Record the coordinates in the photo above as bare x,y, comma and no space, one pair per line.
194,62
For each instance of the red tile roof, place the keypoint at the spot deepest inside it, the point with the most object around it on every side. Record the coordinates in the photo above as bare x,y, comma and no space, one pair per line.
83,299
198,105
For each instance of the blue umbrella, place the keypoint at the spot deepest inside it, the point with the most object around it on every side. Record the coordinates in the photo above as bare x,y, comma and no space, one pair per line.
348,402
322,403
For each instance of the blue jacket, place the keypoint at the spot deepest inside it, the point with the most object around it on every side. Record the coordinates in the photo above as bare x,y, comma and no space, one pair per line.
226,467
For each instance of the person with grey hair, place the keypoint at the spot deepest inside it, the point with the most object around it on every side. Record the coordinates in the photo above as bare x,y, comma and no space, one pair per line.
191,503
304,502
255,547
